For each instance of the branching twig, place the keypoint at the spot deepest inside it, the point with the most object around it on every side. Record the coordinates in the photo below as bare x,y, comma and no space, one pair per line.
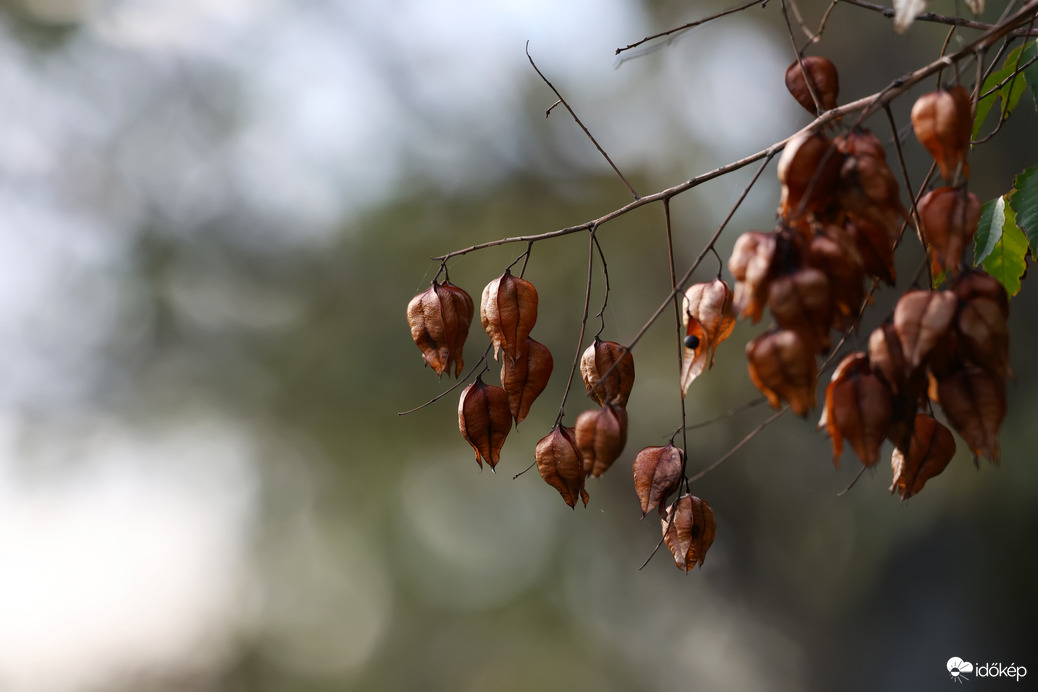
583,326
731,452
578,121
482,361
936,18
691,25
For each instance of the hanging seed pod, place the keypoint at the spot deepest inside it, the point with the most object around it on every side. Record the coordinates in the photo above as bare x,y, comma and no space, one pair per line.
709,319
869,190
657,474
439,319
809,171
981,323
875,247
750,264
922,319
948,218
977,284
943,121
607,369
688,530
802,301
858,408
818,75
508,312
484,420
560,464
526,377
974,401
931,448
782,366
834,253
601,436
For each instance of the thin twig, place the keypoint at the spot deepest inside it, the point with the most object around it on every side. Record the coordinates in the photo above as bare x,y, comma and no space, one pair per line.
457,384
731,452
753,403
848,488
583,325
578,121
936,18
677,322
691,25
800,65
605,297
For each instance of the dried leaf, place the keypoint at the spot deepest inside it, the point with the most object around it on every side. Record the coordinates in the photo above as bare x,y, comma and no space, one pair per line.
601,435
508,312
439,319
484,420
931,448
657,474
607,369
782,366
560,464
922,319
688,530
526,377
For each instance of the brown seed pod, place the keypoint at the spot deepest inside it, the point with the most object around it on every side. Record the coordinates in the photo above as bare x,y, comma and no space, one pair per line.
978,284
948,218
709,319
560,464
601,435
782,366
943,121
484,420
508,312
607,369
526,377
818,75
927,455
974,401
922,319
835,254
802,301
858,408
688,530
981,324
657,474
875,246
869,189
439,319
751,265
809,171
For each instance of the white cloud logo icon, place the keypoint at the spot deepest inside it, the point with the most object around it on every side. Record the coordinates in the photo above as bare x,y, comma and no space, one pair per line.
957,667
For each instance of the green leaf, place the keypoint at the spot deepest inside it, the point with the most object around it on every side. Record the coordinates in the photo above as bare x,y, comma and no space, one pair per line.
989,230
1031,71
1009,95
1008,259
1024,204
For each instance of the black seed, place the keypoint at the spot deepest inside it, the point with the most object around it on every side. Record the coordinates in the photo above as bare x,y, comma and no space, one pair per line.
691,341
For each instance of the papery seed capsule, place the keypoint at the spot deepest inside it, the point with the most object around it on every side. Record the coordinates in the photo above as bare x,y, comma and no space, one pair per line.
857,408
948,218
809,171
689,528
607,369
601,436
657,474
526,377
561,465
782,366
751,265
943,121
439,319
974,401
922,319
927,455
508,312
484,420
818,75
803,301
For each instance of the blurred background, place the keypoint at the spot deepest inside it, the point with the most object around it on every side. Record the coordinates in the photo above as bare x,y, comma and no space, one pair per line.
212,216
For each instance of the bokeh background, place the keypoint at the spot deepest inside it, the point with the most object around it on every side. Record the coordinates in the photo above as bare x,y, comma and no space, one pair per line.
212,215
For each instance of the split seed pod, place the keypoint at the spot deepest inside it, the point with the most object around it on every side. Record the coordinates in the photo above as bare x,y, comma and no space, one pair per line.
526,377
688,530
931,448
508,312
439,319
484,420
858,408
974,401
818,75
560,464
782,366
605,383
922,319
943,121
601,435
657,474
948,218
709,318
